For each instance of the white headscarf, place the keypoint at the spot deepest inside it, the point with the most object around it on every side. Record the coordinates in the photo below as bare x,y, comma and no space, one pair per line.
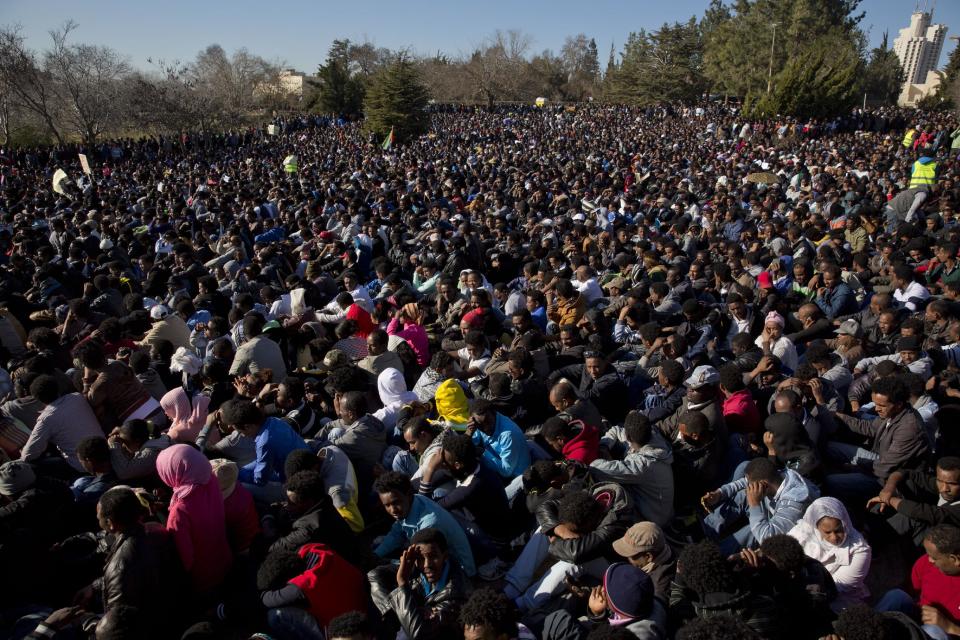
814,545
393,394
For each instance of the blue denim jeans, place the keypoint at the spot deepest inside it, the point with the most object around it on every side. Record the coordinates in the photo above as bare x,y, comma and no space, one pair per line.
723,516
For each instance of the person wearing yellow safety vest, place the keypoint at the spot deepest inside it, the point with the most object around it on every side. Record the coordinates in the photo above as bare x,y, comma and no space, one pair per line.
908,138
924,173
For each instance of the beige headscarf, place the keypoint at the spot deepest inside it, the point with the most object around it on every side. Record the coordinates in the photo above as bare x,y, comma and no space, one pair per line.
412,311
227,473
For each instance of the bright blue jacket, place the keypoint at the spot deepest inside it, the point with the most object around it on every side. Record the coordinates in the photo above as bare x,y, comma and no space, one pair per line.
274,443
425,513
506,450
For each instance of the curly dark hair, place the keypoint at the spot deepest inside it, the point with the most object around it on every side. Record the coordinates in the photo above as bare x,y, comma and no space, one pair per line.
300,460
893,388
785,552
491,609
240,412
637,428
122,506
945,537
861,622
278,568
308,485
94,449
349,625
724,626
393,482
462,449
704,568
579,509
540,474
432,536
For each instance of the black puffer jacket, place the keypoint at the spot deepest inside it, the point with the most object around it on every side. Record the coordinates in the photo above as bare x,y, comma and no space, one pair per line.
617,519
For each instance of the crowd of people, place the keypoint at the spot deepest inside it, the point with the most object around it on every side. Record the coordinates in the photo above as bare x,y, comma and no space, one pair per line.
559,373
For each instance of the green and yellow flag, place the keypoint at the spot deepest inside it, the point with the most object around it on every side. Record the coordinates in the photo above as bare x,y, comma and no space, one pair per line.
388,143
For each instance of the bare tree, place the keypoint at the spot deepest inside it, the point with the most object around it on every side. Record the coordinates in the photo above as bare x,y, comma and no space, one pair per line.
497,66
88,81
24,81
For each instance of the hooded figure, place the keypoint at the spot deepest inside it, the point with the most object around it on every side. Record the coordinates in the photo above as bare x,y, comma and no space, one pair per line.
453,410
196,516
791,444
187,413
828,536
393,394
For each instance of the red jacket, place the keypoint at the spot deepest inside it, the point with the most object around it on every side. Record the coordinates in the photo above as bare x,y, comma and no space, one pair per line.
585,446
332,585
741,414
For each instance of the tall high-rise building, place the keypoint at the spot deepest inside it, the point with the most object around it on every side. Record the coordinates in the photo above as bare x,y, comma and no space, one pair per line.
918,47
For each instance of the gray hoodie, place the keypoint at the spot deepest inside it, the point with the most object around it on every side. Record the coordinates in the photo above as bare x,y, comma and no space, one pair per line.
646,474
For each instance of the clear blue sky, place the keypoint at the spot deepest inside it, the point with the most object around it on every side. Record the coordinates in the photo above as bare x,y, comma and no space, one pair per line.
299,31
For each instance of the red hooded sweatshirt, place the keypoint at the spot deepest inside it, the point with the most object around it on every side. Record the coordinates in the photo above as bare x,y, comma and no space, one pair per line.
585,446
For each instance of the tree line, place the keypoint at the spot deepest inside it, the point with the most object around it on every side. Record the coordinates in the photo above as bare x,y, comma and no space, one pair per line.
805,58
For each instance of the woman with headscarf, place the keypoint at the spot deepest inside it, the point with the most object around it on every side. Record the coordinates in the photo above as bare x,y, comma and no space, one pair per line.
789,444
196,516
453,408
828,536
187,413
773,342
240,513
393,394
407,323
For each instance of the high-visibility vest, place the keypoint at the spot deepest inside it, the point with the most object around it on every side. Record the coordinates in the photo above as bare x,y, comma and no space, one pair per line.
908,137
923,175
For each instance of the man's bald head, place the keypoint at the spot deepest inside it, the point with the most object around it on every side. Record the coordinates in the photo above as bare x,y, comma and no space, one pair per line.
563,395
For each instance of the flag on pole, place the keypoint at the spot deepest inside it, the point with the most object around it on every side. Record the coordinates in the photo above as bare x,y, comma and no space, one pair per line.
388,143
290,164
59,177
85,164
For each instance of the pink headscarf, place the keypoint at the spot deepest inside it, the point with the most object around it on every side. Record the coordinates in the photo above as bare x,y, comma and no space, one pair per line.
187,418
186,471
774,318
196,517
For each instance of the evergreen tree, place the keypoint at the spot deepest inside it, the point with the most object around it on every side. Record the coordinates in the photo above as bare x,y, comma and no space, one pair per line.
883,75
340,92
738,48
591,62
948,91
823,80
397,100
663,66
611,64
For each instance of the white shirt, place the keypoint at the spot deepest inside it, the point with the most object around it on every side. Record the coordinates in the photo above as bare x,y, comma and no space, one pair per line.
590,290
913,290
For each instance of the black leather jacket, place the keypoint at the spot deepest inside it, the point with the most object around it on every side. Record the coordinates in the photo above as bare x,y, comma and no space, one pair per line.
597,543
143,570
435,615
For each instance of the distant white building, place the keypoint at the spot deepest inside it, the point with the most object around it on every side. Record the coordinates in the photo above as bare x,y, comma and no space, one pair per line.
918,47
287,83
